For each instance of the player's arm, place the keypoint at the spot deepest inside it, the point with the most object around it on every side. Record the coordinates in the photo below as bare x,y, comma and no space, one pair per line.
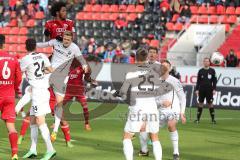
18,77
47,31
46,44
214,80
78,55
198,82
47,65
182,98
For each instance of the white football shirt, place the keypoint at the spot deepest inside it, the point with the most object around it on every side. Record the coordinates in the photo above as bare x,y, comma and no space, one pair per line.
33,65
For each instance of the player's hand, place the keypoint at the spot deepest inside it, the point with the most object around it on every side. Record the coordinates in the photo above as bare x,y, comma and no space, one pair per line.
183,118
214,92
166,103
86,69
197,92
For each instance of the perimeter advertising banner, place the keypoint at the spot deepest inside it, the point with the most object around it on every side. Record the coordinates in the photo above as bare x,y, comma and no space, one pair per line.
111,76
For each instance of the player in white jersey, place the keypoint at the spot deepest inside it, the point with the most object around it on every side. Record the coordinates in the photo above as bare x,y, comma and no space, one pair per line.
63,55
36,65
172,106
143,113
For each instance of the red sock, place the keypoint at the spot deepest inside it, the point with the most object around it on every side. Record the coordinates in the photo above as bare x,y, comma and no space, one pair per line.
25,126
66,132
13,138
86,114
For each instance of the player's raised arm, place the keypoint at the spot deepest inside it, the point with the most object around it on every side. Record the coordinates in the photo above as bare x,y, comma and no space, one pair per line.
181,95
46,44
18,77
47,65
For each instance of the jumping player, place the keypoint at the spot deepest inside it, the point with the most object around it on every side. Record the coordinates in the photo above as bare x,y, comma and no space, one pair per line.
36,65
10,79
76,88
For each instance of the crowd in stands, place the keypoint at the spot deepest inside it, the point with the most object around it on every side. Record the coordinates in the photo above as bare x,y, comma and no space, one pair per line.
161,11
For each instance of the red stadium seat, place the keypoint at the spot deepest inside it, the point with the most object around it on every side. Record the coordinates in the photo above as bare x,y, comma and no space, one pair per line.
13,47
178,26
113,8
194,9
12,23
175,17
113,16
194,19
227,27
154,43
237,12
203,19
96,8
23,31
122,8
13,39
7,46
105,16
30,23
131,8
223,19
80,16
14,30
87,8
230,10
21,48
22,39
131,17
220,9
211,10
97,16
170,26
6,30
105,8
213,19
232,19
39,15
87,15
202,10
13,14
139,8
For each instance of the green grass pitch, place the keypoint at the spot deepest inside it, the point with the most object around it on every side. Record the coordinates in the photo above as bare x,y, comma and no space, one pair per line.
197,142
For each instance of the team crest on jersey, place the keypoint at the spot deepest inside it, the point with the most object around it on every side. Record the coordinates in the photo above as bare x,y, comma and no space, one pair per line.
209,76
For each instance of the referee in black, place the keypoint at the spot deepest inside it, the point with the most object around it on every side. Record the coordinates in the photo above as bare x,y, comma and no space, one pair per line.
206,88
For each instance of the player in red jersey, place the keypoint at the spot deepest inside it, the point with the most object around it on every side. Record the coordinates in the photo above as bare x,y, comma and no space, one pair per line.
10,79
76,88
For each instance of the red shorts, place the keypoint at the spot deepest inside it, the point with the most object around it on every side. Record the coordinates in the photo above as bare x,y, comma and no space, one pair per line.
82,99
7,108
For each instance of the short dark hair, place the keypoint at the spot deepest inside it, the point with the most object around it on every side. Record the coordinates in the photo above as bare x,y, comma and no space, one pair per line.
141,55
167,61
30,44
2,40
153,48
56,7
207,58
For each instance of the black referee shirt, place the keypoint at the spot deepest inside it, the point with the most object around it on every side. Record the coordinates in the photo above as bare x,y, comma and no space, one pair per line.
206,79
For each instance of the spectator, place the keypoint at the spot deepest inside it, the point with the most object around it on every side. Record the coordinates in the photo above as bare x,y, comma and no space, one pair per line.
160,31
175,6
33,7
19,7
185,14
165,15
4,15
109,54
120,22
138,22
22,18
144,44
232,59
175,73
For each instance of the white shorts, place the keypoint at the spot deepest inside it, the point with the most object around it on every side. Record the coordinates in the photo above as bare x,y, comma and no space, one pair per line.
167,114
137,118
40,102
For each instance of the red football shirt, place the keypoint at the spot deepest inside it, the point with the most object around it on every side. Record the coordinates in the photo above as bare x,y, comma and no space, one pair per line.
75,85
10,75
58,27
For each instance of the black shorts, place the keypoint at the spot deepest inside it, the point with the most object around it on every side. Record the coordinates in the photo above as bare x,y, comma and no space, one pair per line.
205,93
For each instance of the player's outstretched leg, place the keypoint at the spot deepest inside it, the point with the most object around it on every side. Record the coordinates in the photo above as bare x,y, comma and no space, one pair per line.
83,101
157,148
66,131
128,146
143,136
24,128
13,137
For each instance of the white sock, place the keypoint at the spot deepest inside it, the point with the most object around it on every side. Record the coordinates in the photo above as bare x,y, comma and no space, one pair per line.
46,137
174,139
128,149
157,150
58,117
23,101
143,136
34,137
